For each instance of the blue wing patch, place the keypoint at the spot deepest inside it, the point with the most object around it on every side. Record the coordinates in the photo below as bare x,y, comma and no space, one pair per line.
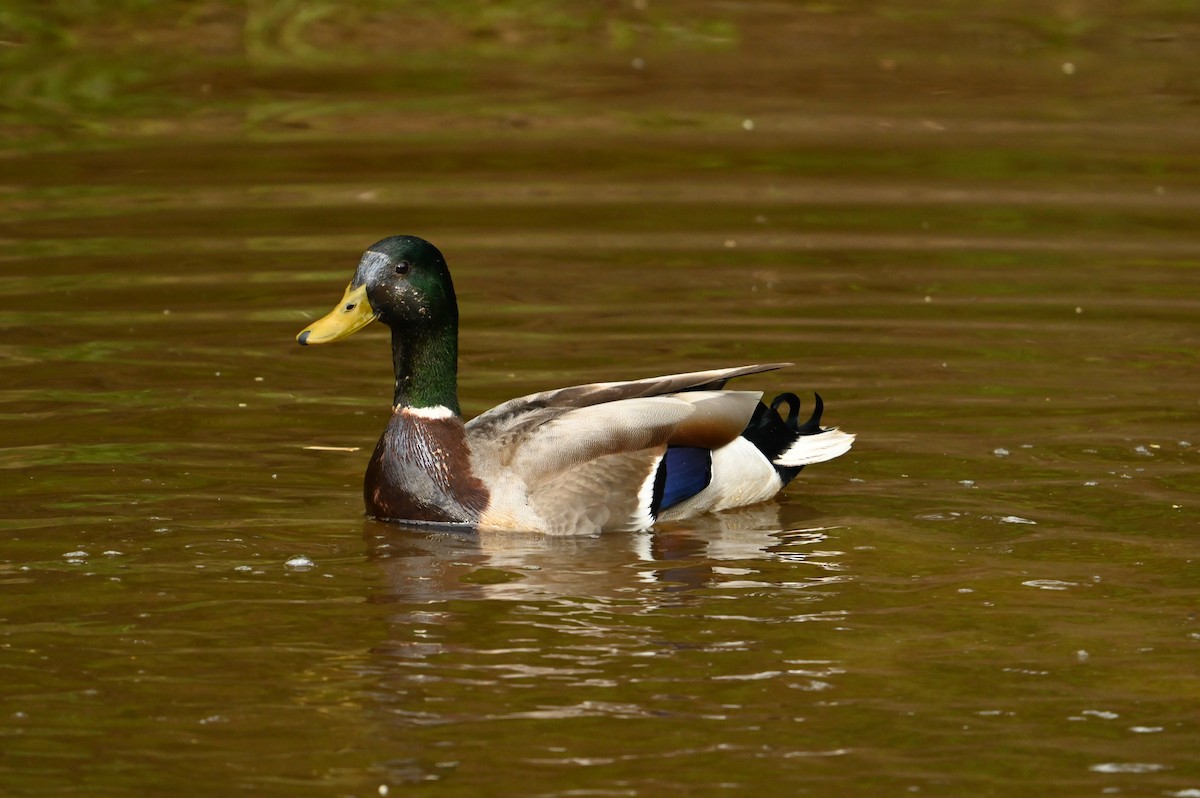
683,472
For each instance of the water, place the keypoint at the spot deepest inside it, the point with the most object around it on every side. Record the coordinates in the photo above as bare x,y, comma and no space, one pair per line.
985,263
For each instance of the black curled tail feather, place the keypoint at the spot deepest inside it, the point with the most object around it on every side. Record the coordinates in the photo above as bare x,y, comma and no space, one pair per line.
792,419
773,433
813,425
793,402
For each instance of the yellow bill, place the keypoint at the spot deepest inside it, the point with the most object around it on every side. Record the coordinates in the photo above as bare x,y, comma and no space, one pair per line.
351,314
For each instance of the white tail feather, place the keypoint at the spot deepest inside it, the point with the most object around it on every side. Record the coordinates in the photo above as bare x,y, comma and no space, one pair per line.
809,449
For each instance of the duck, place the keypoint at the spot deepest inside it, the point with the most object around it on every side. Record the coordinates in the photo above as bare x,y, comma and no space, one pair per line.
585,459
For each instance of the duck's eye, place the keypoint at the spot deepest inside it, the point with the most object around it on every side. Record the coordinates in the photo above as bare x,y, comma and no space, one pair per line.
402,267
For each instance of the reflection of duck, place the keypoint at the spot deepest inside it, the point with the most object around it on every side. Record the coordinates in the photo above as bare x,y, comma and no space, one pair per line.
617,455
715,550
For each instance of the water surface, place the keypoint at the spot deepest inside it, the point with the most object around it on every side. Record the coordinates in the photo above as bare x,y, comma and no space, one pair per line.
985,262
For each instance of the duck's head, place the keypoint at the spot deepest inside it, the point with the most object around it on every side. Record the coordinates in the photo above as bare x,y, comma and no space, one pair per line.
403,281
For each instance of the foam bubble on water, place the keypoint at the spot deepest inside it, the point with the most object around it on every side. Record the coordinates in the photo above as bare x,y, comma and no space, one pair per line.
1016,519
1145,729
300,563
1000,452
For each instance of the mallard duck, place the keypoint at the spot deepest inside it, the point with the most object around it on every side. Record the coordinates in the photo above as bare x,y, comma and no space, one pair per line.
584,459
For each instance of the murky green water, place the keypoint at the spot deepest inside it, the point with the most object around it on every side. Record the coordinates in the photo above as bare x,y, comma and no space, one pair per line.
974,232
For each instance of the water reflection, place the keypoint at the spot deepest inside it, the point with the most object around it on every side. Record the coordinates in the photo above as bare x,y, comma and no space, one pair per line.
518,628
715,551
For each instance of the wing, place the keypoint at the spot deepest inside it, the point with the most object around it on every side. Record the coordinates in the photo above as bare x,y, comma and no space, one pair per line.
586,456
538,408
593,467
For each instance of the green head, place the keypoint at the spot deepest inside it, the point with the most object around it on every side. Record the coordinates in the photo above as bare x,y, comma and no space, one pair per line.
404,282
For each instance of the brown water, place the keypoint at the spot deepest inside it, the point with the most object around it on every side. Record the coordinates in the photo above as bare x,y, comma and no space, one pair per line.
987,261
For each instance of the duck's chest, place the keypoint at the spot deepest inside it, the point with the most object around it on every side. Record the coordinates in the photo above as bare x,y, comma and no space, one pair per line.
421,470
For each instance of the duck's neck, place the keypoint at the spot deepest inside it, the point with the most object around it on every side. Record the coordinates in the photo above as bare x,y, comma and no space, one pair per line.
425,359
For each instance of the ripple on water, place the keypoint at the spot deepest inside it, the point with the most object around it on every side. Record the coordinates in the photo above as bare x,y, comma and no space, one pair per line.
1102,714
1050,584
1127,767
144,373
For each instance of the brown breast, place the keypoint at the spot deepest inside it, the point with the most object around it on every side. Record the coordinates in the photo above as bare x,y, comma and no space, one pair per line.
421,471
